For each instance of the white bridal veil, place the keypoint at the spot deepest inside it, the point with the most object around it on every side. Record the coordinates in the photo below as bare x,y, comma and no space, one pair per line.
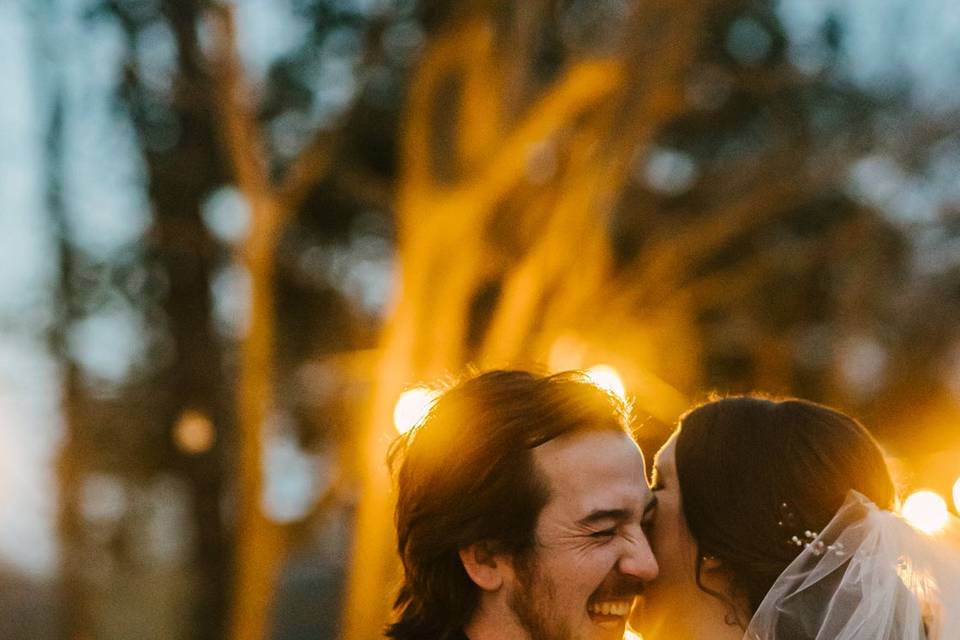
867,576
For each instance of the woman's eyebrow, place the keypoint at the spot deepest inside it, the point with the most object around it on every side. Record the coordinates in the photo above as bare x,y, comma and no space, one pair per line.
650,506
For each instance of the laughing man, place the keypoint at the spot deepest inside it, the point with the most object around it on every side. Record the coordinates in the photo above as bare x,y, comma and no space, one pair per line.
522,503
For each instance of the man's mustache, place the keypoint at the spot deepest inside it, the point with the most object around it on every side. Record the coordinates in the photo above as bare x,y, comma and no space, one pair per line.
620,589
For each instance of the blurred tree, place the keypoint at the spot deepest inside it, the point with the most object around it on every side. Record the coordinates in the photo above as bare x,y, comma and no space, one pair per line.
189,108
122,453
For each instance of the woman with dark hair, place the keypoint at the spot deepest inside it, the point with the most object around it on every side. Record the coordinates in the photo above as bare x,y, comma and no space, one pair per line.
774,521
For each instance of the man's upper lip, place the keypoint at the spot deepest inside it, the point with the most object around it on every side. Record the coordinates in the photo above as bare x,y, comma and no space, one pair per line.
627,598
618,595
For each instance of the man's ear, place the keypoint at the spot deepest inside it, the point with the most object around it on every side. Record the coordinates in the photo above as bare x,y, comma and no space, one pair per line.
484,567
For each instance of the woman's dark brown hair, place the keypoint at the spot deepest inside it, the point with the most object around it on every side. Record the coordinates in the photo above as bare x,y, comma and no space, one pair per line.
755,472
466,476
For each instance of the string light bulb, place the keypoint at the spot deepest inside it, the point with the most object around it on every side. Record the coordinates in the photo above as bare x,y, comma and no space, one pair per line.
194,433
926,511
411,407
608,379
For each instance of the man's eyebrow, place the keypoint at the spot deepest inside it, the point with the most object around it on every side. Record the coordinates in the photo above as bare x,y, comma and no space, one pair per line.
617,515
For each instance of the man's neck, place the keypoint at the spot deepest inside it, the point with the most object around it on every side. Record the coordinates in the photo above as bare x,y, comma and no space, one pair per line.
494,620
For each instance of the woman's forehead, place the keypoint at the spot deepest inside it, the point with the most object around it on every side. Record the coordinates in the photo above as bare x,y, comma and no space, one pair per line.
665,456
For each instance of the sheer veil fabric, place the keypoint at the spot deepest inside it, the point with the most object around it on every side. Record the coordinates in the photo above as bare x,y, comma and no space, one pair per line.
867,576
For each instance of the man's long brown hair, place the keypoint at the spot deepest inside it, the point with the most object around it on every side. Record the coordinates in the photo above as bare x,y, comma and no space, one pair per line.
466,476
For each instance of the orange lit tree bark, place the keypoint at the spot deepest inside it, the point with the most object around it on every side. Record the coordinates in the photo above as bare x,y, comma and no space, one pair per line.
260,542
516,201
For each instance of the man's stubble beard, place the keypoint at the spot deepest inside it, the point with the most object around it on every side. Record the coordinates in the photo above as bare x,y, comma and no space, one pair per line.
530,602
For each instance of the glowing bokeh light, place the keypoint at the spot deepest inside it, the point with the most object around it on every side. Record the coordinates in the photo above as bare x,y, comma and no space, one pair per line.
194,433
926,511
412,405
956,495
630,634
607,378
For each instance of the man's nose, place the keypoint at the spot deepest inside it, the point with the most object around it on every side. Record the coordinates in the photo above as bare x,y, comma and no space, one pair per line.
638,561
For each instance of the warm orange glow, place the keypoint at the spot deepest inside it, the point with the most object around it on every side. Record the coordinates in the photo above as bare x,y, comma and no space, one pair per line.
956,495
630,634
607,378
194,433
411,407
926,511
567,352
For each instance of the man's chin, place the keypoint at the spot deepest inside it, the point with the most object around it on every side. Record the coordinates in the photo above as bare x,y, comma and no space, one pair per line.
613,625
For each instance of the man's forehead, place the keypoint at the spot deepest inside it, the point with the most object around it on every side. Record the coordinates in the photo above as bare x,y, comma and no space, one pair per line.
587,449
595,471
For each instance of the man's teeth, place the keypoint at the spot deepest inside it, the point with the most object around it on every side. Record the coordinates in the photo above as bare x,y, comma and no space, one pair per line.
610,608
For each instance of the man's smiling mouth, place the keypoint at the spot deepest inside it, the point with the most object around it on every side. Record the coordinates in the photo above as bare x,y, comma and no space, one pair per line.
610,613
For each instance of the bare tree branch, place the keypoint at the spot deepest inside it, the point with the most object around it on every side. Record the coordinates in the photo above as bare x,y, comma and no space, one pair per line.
241,135
310,166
